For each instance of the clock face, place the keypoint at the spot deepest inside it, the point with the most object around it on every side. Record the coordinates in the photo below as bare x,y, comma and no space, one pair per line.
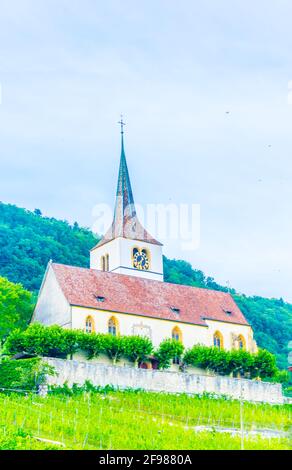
140,259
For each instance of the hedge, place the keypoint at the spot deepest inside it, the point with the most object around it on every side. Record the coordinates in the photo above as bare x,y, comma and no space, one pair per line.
25,374
55,341
168,350
262,364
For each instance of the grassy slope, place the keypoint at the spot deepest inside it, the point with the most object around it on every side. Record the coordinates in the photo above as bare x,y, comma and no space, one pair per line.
138,420
28,241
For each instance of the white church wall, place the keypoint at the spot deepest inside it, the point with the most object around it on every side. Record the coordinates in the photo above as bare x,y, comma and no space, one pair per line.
52,307
112,249
228,330
162,381
156,329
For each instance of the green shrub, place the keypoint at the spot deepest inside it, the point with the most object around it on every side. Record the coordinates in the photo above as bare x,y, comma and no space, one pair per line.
264,365
55,341
114,347
241,362
137,348
16,306
39,340
168,350
77,390
24,374
92,344
204,357
18,439
261,364
15,343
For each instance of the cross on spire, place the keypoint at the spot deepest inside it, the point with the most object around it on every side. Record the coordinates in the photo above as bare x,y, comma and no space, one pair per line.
122,123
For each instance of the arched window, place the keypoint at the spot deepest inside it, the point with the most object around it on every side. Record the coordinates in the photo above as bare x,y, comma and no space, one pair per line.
89,325
177,334
104,262
241,342
218,340
113,326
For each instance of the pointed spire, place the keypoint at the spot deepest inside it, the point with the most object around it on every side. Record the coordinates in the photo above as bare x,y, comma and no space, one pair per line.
125,200
125,223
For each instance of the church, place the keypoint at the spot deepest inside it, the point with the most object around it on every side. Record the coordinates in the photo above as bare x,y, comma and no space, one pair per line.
124,293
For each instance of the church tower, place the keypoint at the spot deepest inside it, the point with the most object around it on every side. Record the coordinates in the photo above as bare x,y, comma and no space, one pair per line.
127,248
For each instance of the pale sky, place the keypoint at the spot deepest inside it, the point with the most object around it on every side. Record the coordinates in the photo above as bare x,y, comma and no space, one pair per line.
68,69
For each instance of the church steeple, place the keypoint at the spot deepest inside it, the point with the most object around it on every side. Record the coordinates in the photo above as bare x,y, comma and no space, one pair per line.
125,221
127,248
124,197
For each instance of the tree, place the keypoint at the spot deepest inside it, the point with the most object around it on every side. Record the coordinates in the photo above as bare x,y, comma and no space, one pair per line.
16,307
114,347
137,349
264,365
168,350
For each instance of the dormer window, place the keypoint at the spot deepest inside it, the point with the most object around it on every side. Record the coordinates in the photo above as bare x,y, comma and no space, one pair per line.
175,310
100,298
228,312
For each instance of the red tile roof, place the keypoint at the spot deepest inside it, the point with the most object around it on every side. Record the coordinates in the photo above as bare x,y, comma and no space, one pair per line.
145,297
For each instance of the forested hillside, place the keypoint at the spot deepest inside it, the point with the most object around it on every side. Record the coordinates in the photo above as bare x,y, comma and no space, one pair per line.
28,241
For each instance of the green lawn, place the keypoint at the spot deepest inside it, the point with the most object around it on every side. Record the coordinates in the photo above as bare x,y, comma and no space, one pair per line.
137,420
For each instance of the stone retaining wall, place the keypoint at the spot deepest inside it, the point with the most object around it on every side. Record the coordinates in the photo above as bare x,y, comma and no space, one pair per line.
162,381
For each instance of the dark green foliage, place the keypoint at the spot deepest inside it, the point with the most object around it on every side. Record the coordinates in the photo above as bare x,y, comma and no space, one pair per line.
261,364
182,272
203,357
54,341
242,362
134,348
16,307
41,341
114,347
168,350
25,374
93,345
271,320
264,365
137,349
14,438
28,241
77,390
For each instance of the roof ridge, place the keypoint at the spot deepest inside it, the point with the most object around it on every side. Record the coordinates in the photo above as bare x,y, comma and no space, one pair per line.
144,280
